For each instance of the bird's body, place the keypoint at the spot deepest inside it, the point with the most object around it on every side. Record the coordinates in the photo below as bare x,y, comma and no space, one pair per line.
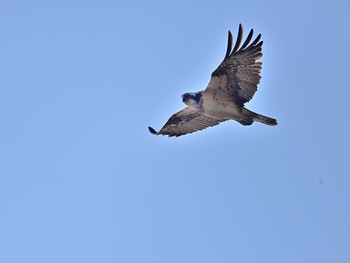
217,104
232,84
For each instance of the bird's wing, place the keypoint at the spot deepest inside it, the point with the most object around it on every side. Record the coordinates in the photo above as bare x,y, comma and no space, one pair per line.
239,72
185,121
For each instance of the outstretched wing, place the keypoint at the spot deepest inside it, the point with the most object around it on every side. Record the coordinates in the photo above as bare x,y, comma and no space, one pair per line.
185,121
239,72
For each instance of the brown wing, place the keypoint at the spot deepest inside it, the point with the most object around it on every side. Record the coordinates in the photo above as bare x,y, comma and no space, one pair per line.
239,72
185,121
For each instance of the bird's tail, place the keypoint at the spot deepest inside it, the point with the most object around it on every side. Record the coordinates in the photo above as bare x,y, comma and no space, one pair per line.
266,120
261,118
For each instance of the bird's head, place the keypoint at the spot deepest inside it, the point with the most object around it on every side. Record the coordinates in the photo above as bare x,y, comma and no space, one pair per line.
192,99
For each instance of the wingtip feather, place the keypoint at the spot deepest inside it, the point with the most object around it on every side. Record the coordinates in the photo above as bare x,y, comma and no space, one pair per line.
229,44
256,41
239,39
153,131
246,42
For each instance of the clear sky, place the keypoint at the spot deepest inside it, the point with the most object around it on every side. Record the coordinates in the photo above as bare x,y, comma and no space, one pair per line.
82,179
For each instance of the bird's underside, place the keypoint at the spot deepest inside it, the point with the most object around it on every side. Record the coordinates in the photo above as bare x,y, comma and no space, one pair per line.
232,84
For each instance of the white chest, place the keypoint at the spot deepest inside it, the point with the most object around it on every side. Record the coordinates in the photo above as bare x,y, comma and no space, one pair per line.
216,103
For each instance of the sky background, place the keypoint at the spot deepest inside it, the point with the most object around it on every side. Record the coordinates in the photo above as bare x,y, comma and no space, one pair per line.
82,179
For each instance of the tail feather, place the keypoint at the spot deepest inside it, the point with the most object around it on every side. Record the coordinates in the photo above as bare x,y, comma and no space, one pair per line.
261,118
264,119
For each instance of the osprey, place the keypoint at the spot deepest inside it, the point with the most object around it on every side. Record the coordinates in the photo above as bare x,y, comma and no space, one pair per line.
232,84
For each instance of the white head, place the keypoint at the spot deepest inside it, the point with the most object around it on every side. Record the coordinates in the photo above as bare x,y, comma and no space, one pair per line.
192,100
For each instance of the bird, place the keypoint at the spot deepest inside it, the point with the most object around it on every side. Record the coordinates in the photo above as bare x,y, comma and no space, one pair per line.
232,84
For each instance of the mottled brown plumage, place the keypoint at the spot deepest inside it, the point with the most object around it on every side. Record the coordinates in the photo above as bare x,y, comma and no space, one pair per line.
232,84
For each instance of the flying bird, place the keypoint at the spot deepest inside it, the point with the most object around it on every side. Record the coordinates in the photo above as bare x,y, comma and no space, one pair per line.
232,84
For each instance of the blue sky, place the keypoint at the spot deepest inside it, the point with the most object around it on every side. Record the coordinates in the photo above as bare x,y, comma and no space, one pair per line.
81,178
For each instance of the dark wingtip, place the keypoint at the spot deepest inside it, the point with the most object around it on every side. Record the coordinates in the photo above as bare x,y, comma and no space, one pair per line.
153,131
229,44
239,39
256,40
